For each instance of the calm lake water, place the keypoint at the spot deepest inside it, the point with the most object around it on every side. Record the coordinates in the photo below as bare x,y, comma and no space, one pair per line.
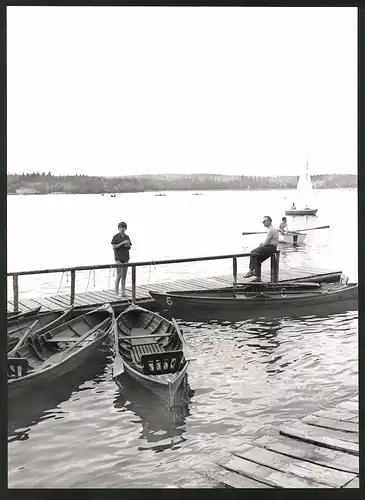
249,377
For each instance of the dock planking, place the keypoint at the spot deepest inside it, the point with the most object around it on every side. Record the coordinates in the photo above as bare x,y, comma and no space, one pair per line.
342,416
96,297
302,455
330,423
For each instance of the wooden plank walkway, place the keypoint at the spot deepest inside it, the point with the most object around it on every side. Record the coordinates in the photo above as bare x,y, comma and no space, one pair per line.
320,450
95,298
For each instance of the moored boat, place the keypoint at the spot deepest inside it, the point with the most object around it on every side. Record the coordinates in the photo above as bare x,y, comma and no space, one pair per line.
39,358
38,324
258,300
153,351
13,317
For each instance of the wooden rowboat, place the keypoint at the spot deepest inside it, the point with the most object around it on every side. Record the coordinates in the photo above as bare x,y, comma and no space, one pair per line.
292,237
39,324
16,316
153,351
258,300
42,357
303,211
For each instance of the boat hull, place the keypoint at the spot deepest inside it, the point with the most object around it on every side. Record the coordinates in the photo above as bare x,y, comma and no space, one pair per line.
305,211
198,307
13,317
43,378
164,391
58,351
292,238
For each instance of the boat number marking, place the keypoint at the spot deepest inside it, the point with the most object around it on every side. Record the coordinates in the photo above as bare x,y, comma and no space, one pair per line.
282,291
168,301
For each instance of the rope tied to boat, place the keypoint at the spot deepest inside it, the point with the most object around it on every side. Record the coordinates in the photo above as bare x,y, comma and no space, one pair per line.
94,278
149,270
63,272
110,270
88,281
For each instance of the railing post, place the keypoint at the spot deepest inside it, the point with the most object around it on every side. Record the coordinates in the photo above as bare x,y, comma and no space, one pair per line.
16,293
133,283
275,266
234,271
73,284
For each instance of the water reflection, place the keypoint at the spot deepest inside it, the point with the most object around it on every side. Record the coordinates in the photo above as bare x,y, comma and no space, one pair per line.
160,424
263,337
30,410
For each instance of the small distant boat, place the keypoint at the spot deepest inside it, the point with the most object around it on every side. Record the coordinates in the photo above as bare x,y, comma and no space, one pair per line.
304,195
43,357
160,194
291,237
153,351
113,195
197,194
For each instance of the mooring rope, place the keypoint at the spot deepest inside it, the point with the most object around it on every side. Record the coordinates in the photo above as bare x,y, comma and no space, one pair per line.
110,269
149,271
87,286
63,272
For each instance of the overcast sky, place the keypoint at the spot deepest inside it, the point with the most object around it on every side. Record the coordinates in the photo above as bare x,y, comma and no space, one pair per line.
133,90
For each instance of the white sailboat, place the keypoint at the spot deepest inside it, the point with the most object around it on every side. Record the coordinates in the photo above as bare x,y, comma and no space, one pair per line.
303,196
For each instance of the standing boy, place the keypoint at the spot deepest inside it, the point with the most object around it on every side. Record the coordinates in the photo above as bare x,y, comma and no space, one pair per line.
121,245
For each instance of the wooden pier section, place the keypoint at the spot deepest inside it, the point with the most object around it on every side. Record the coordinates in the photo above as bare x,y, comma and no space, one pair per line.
320,450
140,293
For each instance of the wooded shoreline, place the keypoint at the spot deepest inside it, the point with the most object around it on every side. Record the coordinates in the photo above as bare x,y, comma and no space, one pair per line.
41,183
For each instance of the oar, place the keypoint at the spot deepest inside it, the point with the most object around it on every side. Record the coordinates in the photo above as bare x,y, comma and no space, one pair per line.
312,228
187,354
22,340
294,230
118,365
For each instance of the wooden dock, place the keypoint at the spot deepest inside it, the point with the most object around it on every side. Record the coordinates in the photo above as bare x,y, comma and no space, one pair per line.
91,299
320,450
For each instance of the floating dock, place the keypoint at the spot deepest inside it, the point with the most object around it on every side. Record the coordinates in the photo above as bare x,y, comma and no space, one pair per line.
320,450
89,300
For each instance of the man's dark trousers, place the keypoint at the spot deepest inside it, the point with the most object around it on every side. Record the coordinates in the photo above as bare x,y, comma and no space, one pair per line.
258,256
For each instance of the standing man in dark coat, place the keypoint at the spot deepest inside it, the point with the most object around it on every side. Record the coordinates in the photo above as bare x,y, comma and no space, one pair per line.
121,245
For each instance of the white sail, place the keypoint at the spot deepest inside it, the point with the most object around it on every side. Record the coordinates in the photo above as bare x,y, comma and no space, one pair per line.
304,193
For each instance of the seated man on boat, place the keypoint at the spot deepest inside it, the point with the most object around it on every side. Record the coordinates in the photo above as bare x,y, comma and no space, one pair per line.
264,250
283,226
293,207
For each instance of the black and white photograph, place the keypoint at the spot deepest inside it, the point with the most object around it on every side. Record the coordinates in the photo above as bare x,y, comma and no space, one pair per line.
182,247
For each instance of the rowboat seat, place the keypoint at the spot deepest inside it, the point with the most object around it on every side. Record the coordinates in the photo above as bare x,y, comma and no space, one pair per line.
160,363
17,367
140,350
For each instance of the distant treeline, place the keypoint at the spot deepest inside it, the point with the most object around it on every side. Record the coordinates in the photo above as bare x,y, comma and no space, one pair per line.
47,183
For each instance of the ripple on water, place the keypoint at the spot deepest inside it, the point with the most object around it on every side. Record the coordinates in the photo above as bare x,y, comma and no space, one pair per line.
249,378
